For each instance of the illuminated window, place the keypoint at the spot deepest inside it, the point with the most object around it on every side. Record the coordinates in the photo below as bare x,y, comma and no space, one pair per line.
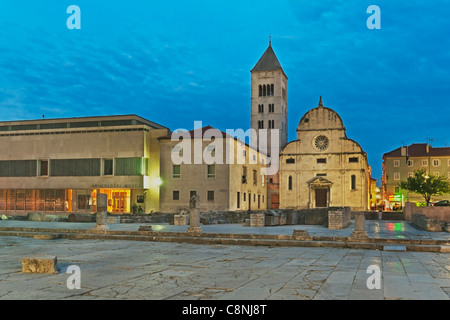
396,175
396,163
176,171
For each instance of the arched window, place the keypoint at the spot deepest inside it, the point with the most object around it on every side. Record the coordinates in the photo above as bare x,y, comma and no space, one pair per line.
264,90
290,183
260,90
271,90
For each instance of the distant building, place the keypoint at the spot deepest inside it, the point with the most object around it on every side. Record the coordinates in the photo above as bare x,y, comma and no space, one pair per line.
226,181
323,168
59,165
269,109
399,164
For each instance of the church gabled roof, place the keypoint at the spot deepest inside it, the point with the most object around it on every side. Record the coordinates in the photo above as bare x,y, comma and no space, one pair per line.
268,61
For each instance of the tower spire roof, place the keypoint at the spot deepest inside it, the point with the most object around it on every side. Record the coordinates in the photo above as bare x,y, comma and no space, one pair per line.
268,61
320,102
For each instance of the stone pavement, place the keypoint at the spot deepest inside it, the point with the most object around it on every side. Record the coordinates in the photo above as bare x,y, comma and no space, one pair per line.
118,269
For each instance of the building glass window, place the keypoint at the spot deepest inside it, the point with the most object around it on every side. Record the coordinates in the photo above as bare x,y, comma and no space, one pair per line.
210,195
192,193
322,160
175,195
353,182
290,183
425,163
353,160
176,171
43,168
211,171
396,163
107,167
436,163
396,175
290,160
410,163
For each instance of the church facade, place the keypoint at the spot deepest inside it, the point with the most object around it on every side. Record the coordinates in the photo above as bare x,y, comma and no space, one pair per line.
322,167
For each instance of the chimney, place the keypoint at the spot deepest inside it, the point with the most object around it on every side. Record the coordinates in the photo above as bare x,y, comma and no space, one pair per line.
403,152
428,148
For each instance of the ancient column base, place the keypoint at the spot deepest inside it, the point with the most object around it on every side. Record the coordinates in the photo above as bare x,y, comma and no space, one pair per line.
194,230
359,235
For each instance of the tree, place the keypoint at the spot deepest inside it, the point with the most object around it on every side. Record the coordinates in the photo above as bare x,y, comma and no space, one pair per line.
427,185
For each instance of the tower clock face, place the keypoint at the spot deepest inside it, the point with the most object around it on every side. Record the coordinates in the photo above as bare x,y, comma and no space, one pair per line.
321,143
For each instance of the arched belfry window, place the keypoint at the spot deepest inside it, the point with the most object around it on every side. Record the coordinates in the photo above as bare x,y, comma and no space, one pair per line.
271,90
264,90
290,183
260,90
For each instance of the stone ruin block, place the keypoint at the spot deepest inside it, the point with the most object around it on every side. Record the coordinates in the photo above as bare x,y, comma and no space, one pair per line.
40,264
257,220
180,220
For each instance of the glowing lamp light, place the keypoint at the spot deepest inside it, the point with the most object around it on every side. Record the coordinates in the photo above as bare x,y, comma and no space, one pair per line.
156,182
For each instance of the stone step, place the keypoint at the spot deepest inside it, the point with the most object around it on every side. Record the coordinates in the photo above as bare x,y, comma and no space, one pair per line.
394,248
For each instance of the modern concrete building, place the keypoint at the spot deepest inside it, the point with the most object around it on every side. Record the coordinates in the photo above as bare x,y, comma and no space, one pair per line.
323,168
198,165
59,165
401,163
269,111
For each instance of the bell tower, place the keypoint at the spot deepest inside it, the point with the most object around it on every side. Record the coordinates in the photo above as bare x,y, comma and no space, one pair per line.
269,98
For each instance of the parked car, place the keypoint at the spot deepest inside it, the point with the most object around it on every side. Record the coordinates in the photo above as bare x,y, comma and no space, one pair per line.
442,203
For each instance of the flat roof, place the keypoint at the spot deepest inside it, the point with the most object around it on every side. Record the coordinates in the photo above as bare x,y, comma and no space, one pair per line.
78,122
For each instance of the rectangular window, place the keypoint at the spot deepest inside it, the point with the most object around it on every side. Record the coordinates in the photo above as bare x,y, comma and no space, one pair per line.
322,160
210,195
353,182
436,163
396,175
130,166
410,163
75,167
245,195
211,171
43,168
396,163
192,193
353,160
290,160
321,175
176,171
175,195
397,190
107,167
424,163
244,174
255,178
238,202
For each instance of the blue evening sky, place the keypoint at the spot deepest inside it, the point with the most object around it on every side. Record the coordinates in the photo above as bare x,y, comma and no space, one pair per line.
175,62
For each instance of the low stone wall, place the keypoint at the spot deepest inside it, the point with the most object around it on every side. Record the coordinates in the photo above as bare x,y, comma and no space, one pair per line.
423,222
339,219
438,213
